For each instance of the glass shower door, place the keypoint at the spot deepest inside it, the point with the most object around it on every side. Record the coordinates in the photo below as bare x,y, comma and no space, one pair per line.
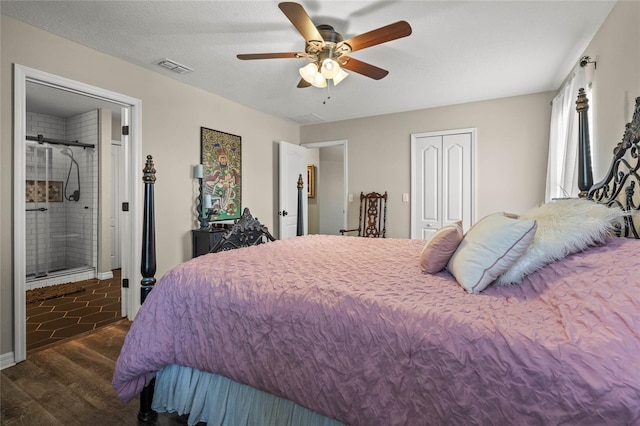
39,192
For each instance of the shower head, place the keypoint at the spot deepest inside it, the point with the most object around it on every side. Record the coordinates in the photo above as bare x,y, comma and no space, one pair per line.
75,196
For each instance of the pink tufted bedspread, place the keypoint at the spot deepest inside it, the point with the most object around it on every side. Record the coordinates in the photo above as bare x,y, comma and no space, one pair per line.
350,327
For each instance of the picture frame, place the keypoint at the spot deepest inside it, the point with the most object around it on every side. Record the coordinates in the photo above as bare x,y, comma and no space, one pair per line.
311,184
221,158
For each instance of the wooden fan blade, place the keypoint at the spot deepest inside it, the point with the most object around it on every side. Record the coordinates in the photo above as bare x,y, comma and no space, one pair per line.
299,18
381,35
272,55
363,68
303,83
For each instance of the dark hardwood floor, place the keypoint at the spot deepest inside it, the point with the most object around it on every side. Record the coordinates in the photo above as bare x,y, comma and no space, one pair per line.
70,384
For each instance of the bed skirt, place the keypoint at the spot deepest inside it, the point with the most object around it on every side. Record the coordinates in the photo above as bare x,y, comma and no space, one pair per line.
217,400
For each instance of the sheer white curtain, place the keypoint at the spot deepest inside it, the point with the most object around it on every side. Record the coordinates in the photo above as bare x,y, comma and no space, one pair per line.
562,165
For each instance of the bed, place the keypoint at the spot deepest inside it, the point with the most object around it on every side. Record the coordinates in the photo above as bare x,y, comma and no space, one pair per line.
328,329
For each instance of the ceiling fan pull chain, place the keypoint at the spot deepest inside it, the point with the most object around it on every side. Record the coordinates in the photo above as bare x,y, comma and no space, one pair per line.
328,92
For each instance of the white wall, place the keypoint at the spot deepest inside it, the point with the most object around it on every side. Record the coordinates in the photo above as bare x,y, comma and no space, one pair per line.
512,146
616,80
329,189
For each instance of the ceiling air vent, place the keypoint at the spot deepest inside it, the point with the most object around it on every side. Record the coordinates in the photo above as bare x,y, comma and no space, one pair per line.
310,118
174,66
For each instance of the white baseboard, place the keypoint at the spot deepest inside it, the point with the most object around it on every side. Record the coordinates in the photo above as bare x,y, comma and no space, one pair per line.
104,275
7,360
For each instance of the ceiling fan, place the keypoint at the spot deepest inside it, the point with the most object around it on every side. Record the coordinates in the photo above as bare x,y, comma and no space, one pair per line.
327,50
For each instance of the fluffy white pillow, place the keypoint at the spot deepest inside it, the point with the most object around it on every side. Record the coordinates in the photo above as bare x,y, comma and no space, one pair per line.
564,227
439,249
490,247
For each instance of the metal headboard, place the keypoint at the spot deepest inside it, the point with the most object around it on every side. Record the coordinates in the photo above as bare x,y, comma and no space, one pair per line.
618,188
246,231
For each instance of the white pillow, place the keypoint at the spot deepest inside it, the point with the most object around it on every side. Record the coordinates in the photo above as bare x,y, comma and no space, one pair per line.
490,247
564,227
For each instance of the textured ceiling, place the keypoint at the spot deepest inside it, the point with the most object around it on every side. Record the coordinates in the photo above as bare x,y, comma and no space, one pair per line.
458,51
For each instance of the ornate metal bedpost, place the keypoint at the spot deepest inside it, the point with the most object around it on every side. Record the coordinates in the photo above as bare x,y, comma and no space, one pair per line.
585,175
300,224
148,264
148,270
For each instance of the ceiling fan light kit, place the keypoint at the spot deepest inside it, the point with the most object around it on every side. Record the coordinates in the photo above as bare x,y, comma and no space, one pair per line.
319,75
328,52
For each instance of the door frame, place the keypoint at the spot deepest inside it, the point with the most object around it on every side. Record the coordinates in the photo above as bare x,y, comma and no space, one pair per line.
116,197
345,149
133,166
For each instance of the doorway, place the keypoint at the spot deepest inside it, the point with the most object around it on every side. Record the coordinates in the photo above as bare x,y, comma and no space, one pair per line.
328,209
56,97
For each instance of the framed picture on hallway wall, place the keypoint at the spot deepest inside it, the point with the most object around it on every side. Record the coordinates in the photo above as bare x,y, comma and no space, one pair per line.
311,184
221,157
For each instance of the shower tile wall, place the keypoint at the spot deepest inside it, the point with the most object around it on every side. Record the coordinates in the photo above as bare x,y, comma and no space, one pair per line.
82,216
72,227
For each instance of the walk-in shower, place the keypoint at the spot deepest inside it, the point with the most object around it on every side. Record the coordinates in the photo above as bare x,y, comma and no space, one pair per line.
61,199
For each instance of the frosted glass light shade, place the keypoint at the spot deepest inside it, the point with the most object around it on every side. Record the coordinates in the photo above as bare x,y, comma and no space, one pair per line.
308,72
319,81
341,75
330,68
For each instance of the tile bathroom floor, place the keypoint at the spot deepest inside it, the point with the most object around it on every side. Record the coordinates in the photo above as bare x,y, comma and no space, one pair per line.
54,320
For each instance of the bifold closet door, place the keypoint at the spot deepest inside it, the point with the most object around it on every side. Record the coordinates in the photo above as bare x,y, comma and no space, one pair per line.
442,181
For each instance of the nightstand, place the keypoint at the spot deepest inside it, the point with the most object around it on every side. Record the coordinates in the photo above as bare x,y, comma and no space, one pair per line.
204,239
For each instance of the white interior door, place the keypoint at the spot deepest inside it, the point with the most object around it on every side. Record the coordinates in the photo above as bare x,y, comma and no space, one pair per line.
442,180
292,163
428,183
117,167
457,181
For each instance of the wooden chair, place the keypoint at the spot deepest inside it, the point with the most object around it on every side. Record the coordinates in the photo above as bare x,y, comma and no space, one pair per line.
246,231
373,216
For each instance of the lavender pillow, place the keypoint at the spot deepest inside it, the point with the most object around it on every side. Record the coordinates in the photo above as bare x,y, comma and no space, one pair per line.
439,249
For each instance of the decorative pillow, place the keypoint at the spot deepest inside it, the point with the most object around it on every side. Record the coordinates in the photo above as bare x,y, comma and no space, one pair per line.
564,227
439,249
490,247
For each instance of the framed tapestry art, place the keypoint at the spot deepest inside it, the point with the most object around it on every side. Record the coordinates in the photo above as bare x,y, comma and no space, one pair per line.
221,157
